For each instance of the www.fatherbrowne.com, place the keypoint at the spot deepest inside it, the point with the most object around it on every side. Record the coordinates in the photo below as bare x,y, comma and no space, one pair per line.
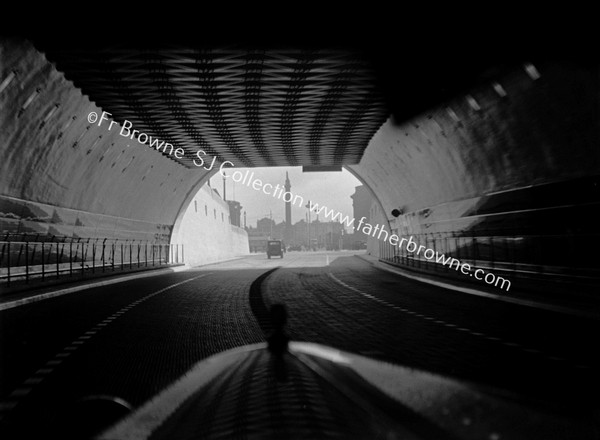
411,246
368,229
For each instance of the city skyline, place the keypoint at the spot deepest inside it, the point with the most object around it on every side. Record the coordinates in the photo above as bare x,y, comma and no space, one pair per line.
332,189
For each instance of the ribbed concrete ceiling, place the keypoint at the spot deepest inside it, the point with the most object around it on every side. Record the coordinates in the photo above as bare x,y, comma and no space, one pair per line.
252,107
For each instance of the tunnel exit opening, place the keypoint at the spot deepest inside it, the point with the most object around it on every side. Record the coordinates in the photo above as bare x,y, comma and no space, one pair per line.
273,196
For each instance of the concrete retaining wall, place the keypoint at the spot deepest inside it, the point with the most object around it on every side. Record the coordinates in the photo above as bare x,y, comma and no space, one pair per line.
206,232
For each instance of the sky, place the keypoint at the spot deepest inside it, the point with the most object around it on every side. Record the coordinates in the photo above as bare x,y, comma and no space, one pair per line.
332,189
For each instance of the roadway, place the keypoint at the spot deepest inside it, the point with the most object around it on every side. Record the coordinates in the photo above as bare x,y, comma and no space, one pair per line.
131,339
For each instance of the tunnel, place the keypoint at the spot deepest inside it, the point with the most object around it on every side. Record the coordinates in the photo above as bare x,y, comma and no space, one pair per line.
494,163
489,163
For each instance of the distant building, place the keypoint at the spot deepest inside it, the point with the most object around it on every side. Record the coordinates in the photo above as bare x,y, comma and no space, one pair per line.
257,240
288,232
266,226
316,235
323,235
326,235
266,229
235,212
361,206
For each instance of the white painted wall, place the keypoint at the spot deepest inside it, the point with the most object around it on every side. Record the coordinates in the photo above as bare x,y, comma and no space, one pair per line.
206,232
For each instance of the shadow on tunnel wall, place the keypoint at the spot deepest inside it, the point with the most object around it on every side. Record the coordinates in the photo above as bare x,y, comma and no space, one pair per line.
505,175
551,224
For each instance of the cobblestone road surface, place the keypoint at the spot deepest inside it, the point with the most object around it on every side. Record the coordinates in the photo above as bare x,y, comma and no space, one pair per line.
132,339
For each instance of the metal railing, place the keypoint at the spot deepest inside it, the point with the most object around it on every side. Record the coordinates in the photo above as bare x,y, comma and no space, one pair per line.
539,254
51,257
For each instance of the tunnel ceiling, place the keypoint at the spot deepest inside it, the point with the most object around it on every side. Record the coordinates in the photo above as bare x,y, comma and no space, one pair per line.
253,107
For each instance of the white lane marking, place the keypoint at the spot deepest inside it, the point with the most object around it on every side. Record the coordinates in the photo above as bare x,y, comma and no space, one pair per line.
20,392
512,344
21,302
34,380
7,406
462,329
23,391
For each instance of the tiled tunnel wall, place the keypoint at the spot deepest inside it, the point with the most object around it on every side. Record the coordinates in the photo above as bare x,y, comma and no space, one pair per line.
79,180
517,158
76,178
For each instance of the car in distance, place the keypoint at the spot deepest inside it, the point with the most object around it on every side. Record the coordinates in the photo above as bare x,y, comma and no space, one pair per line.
274,248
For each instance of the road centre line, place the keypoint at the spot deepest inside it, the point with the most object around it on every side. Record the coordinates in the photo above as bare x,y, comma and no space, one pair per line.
462,329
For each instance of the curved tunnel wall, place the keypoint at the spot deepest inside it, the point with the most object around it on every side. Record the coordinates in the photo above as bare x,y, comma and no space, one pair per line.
207,226
517,158
93,181
64,176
